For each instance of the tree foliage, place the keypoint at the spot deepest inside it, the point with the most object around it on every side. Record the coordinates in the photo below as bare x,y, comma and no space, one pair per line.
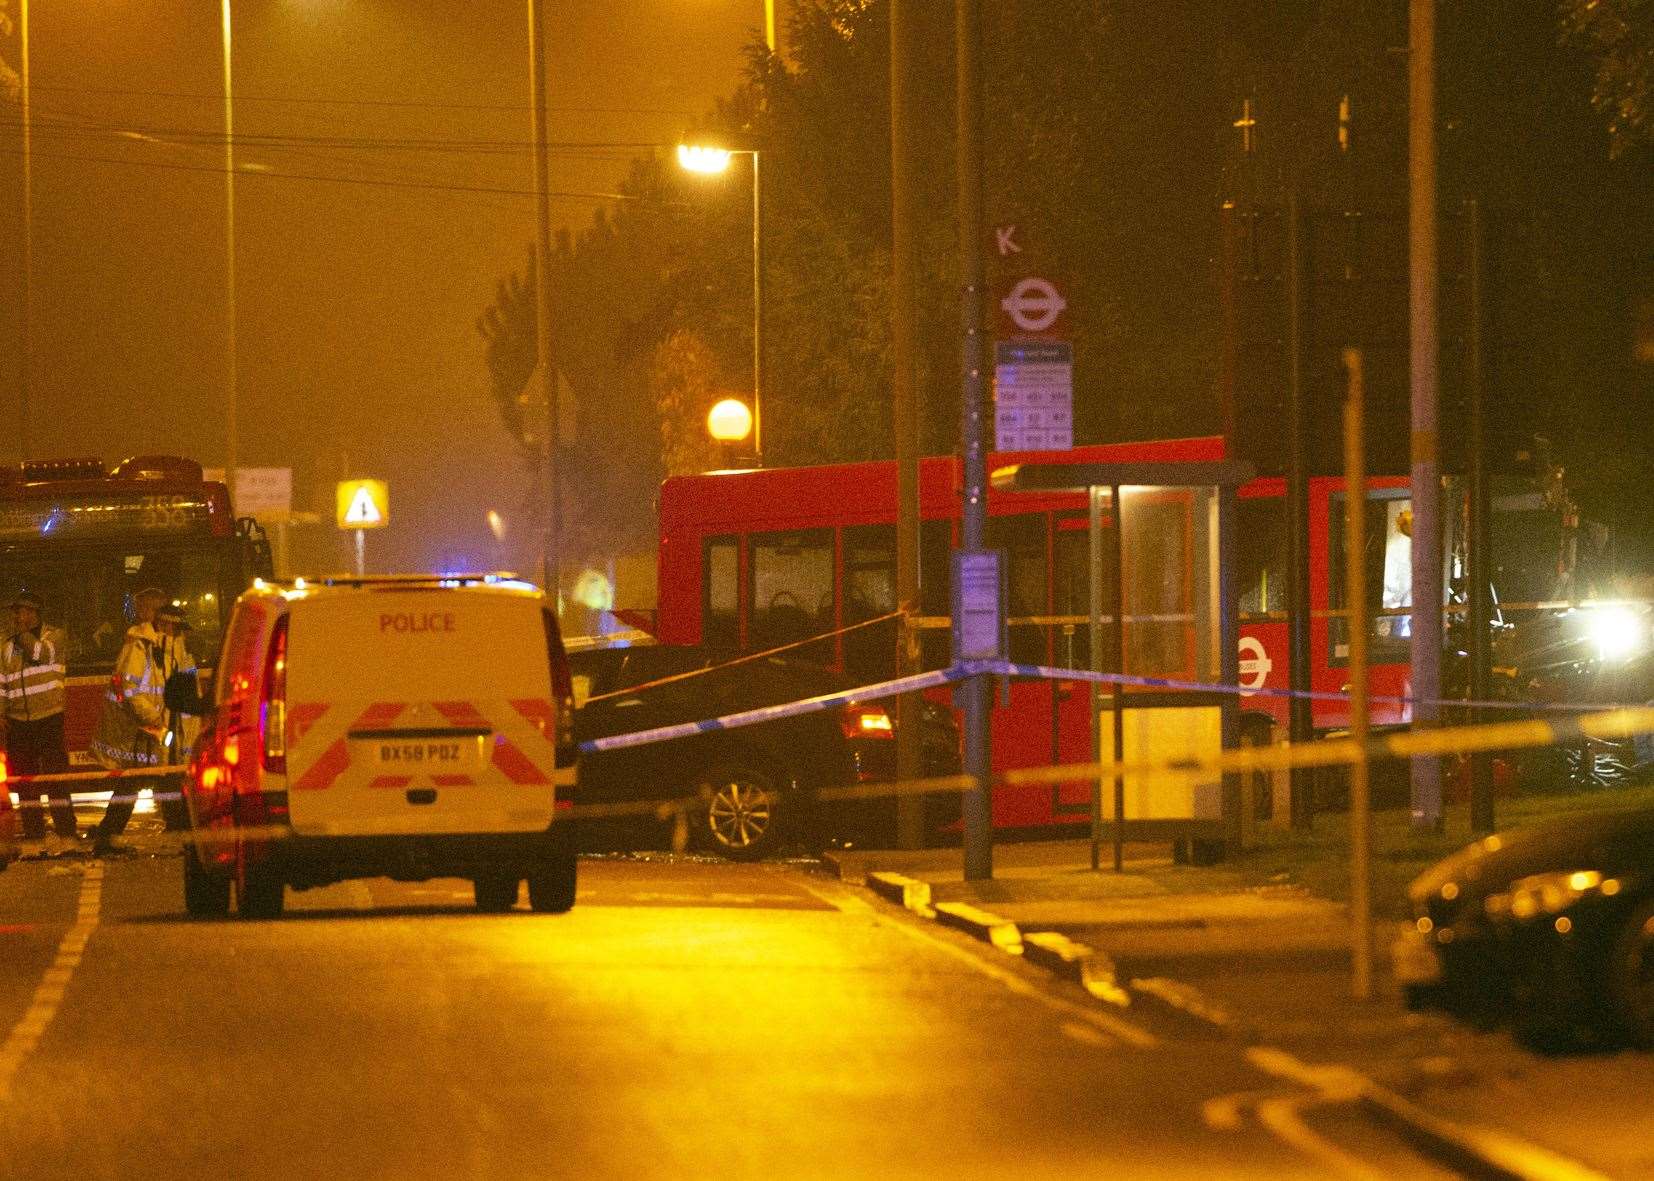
10,83
1619,37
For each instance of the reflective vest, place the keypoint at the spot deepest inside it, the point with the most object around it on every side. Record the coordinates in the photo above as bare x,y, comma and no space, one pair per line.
31,675
133,728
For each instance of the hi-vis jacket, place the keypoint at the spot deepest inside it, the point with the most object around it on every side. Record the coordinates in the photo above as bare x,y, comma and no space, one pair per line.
31,675
133,730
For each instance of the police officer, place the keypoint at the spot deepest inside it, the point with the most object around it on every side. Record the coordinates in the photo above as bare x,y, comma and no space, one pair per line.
135,729
32,685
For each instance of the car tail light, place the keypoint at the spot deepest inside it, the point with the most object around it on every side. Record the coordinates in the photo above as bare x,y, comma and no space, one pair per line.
867,721
5,772
272,714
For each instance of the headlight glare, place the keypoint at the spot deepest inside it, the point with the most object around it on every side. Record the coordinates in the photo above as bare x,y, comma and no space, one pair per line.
1543,893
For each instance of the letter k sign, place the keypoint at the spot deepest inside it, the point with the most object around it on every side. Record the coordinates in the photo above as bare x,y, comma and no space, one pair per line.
1006,237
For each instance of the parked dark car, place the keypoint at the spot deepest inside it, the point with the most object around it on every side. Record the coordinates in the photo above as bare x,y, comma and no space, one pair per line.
1553,923
759,782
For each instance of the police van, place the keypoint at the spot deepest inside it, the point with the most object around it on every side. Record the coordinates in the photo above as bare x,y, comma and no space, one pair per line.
409,726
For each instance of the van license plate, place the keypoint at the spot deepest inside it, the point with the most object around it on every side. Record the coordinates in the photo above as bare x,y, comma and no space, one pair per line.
429,754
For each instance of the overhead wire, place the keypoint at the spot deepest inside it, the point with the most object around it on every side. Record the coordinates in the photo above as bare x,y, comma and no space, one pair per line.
63,126
562,195
408,104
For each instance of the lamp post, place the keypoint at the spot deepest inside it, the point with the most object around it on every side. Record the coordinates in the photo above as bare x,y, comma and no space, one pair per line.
26,360
711,159
231,441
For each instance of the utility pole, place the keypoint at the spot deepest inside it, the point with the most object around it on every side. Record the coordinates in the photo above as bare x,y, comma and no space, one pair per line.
1426,460
974,692
1300,719
1480,574
1355,595
910,810
26,327
551,508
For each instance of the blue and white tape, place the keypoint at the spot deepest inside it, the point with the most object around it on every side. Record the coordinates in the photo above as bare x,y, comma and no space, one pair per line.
1005,668
790,709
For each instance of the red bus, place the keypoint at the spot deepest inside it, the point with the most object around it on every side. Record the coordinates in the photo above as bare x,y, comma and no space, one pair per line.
755,559
87,539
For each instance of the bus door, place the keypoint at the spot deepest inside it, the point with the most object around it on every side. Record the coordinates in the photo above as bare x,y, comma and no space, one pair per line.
1388,572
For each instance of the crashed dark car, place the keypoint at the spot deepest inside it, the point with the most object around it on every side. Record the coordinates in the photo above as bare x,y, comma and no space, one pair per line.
1553,923
759,784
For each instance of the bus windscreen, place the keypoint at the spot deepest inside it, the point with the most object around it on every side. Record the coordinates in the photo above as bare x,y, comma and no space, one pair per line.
89,593
109,514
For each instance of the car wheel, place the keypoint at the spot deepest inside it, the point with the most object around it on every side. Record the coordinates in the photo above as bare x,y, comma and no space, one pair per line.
206,895
259,892
496,893
743,815
552,890
1631,976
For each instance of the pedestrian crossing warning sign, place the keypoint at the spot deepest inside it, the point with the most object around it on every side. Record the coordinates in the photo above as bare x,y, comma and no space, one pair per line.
363,504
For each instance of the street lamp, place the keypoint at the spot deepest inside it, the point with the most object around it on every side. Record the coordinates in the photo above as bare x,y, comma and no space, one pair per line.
710,158
729,422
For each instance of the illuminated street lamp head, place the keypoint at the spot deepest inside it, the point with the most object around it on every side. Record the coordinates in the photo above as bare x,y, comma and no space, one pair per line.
729,421
703,157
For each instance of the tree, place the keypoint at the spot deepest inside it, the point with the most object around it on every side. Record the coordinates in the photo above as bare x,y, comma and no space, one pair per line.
1618,35
10,83
507,328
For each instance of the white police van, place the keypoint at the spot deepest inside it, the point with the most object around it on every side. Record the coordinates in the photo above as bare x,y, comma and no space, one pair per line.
409,726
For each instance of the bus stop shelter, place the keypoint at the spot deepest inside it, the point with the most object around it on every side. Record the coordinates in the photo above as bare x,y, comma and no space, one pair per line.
1161,608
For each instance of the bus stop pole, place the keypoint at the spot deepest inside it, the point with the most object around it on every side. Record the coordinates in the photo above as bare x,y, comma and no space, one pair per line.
978,812
1355,591
1119,609
1094,607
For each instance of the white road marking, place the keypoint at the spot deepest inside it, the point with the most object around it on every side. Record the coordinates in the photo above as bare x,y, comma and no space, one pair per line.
1086,1034
840,900
1106,1023
48,996
1281,1117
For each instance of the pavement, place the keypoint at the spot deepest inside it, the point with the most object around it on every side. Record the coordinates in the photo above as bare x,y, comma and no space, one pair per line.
1271,967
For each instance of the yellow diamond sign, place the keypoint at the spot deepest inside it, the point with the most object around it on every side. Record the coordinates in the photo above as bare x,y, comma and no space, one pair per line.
363,504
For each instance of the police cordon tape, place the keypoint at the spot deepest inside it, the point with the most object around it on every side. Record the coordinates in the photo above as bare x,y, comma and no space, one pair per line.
1620,722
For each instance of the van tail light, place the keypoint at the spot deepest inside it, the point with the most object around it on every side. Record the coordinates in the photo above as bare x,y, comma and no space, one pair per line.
866,721
272,712
562,690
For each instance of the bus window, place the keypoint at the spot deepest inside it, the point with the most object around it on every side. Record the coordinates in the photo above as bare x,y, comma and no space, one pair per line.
1023,540
792,589
1261,566
1388,574
869,592
719,606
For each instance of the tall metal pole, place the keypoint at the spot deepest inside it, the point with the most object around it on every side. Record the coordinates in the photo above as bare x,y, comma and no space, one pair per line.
26,328
757,312
1300,719
1355,595
1480,574
910,810
551,512
231,442
974,693
1427,548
